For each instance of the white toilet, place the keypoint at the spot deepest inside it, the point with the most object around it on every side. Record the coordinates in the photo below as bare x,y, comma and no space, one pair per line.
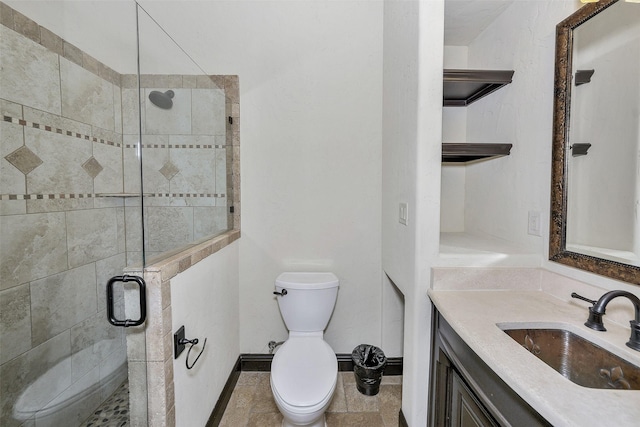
304,370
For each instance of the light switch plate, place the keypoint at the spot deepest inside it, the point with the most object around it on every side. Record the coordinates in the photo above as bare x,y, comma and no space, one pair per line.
534,227
403,217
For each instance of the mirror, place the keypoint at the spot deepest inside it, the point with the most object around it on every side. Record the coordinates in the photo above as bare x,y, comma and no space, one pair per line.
595,194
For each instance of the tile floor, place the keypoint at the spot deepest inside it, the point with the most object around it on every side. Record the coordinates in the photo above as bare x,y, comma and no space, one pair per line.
114,412
252,405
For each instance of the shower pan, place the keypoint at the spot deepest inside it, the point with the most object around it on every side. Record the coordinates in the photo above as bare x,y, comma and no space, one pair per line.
89,188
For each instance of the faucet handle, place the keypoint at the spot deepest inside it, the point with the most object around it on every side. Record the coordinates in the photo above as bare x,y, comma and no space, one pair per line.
576,296
595,317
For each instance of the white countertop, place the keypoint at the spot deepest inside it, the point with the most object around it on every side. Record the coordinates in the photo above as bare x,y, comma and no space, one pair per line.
475,314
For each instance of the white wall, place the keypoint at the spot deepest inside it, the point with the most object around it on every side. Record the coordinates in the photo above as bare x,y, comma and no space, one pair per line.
454,129
522,38
412,124
310,97
500,192
205,300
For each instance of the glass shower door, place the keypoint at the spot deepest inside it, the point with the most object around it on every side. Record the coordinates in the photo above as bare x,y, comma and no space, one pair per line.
65,206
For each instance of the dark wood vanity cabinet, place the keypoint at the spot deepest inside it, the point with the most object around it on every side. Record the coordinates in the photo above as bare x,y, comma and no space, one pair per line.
465,392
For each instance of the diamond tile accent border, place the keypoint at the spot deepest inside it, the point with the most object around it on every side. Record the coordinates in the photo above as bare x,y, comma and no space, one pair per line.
169,170
24,159
92,167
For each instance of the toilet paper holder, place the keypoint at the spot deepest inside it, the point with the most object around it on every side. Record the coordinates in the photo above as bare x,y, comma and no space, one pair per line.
180,342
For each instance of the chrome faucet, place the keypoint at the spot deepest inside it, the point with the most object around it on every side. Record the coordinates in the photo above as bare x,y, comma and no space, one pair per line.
597,310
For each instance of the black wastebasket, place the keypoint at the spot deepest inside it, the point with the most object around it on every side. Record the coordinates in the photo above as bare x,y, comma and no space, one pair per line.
368,364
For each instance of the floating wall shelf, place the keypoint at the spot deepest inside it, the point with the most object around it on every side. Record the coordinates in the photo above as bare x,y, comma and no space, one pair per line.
464,152
463,87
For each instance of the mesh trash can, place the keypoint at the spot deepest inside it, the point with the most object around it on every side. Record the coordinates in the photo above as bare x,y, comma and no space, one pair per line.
368,364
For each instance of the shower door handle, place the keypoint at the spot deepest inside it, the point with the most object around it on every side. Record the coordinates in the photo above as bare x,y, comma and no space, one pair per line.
143,301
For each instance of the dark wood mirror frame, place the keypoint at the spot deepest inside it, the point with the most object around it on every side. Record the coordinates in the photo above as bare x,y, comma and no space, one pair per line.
559,179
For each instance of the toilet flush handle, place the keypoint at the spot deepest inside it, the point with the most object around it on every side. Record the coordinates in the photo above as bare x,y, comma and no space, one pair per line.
283,293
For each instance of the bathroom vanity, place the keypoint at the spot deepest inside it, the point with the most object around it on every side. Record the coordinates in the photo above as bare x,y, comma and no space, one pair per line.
482,376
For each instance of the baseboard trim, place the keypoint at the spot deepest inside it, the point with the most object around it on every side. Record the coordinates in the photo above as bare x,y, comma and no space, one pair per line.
402,421
225,396
262,363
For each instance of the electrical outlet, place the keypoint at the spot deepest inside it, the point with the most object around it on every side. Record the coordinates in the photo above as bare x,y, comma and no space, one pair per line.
403,217
534,227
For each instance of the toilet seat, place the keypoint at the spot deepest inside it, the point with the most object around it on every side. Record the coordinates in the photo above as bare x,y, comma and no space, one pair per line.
304,372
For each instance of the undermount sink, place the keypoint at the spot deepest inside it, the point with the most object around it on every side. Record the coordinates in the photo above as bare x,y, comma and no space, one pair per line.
577,359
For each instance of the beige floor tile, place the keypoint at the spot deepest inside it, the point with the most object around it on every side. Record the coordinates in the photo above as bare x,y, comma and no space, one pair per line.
358,402
250,378
242,397
234,417
339,402
252,403
263,400
391,379
265,420
355,419
348,377
390,401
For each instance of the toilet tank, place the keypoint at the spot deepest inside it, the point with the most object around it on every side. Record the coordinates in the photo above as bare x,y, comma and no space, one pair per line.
309,301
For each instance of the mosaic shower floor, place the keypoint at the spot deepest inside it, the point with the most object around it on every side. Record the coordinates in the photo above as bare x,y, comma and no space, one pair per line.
114,412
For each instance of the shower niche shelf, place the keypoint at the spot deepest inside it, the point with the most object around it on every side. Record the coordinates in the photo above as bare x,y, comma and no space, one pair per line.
462,88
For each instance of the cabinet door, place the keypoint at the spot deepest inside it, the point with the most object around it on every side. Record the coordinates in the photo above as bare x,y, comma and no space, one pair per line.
465,409
440,391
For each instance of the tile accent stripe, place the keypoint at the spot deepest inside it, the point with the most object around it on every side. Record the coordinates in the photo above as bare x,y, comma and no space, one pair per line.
4,197
174,146
54,129
60,131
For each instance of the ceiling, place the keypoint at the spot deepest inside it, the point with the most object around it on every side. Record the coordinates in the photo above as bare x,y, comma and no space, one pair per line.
464,20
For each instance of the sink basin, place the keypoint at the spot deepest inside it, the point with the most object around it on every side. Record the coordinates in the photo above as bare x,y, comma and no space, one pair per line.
578,359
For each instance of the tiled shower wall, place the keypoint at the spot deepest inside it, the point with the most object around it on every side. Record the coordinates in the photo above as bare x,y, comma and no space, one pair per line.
67,224
60,146
184,161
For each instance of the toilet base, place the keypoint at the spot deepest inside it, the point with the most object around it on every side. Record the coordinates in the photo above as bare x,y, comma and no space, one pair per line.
320,422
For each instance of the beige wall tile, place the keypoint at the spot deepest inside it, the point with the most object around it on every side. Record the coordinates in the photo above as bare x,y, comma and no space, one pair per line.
15,322
110,179
178,220
12,180
29,74
63,157
85,96
60,301
91,235
177,120
130,113
22,371
31,247
208,221
196,166
105,270
11,109
208,112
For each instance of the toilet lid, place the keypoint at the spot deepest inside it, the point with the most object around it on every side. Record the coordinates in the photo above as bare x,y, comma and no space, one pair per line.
304,371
